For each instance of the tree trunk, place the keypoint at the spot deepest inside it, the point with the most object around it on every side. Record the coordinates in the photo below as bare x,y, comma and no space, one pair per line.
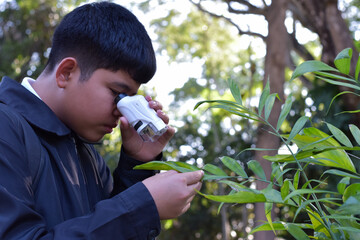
324,18
275,63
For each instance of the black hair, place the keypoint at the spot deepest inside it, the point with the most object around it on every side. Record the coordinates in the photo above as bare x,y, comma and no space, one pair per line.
104,35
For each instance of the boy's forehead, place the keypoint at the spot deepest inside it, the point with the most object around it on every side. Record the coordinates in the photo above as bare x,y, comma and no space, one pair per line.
130,90
121,80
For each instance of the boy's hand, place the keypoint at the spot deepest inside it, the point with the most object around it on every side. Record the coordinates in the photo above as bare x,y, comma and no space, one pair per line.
173,191
133,144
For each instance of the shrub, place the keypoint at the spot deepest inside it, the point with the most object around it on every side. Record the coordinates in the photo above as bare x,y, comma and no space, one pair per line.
331,214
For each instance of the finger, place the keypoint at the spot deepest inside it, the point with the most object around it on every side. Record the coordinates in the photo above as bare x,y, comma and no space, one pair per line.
193,177
124,123
127,132
193,187
186,207
163,116
168,173
155,105
148,98
165,138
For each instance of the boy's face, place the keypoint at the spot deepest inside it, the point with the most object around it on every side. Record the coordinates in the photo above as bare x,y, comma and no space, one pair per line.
90,110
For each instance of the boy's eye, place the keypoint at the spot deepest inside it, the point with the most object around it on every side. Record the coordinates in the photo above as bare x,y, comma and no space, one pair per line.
114,92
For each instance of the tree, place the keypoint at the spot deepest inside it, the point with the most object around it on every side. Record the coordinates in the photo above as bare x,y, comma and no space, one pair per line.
321,17
26,28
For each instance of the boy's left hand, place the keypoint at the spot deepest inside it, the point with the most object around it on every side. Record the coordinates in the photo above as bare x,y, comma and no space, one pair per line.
133,144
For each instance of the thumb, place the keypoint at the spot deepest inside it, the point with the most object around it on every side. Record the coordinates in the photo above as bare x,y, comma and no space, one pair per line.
193,177
125,128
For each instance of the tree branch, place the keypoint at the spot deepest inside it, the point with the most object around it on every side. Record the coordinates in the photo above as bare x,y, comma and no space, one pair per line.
251,8
229,20
300,49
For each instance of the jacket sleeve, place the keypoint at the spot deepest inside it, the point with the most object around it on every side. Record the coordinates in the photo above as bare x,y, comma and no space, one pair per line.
131,214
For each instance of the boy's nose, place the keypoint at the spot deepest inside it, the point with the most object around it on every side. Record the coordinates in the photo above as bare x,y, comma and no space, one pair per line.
116,112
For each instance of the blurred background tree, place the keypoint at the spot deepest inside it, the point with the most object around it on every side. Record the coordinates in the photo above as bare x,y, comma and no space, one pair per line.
249,41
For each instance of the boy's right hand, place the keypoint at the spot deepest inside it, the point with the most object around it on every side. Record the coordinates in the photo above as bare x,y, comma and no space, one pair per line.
173,191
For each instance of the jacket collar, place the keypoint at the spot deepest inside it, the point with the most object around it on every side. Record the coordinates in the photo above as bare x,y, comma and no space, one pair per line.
35,111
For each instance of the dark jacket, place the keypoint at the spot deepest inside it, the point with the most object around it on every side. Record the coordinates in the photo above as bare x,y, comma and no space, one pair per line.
55,186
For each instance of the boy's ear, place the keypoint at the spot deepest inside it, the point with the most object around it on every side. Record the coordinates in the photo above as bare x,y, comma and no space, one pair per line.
65,71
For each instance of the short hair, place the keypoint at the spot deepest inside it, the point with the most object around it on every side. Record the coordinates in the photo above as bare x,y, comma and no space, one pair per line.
104,35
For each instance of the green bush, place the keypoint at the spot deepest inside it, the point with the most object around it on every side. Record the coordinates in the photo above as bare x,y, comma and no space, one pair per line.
331,214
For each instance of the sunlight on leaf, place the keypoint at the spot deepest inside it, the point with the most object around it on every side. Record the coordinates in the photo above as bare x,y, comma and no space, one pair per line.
343,61
311,66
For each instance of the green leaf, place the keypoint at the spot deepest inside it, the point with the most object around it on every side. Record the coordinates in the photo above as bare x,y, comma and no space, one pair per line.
264,95
317,222
339,135
352,190
338,83
299,124
339,94
257,169
160,165
300,192
235,91
296,231
357,70
276,173
271,194
186,165
335,158
238,187
284,112
343,61
335,76
311,66
279,226
234,166
355,132
342,184
214,170
285,188
351,206
269,103
239,197
341,173
268,208
296,179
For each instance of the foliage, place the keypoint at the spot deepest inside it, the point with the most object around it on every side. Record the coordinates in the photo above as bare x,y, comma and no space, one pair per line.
26,28
331,214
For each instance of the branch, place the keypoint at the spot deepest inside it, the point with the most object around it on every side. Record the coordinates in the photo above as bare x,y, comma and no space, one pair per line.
265,4
241,32
243,2
300,49
252,9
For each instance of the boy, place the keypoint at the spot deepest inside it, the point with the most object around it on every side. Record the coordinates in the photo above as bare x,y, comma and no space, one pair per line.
53,184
